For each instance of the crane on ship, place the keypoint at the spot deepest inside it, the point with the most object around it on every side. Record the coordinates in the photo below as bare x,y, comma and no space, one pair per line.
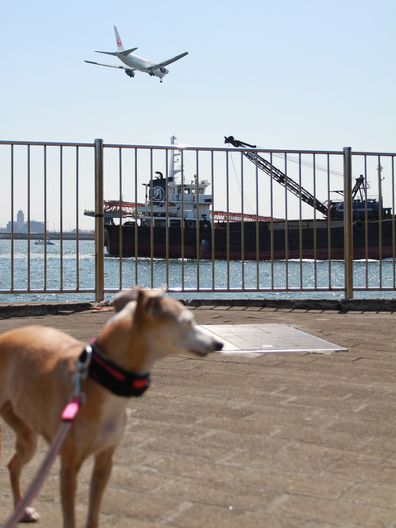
278,175
332,209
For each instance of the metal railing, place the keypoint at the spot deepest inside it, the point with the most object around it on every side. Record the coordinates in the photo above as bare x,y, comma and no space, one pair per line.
258,240
377,270
44,187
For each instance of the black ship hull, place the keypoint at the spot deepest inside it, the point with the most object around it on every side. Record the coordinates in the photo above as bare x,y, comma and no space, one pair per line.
308,239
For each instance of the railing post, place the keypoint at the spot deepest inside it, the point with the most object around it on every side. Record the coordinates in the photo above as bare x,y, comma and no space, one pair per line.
99,222
348,220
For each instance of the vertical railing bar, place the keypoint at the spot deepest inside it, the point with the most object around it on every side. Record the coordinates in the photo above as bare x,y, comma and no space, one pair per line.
315,225
99,222
77,162
61,214
29,219
212,224
136,237
329,240
242,226
197,223
12,219
182,217
45,220
286,229
151,195
257,232
120,236
393,224
300,234
167,216
380,201
366,225
227,218
348,242
272,223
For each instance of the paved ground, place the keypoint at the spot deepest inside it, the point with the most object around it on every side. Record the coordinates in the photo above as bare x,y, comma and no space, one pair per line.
229,441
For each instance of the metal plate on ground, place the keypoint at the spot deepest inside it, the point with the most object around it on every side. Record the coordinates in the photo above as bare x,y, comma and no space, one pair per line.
260,339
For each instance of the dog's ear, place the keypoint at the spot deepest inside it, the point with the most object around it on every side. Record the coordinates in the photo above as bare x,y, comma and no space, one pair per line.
149,302
124,297
154,306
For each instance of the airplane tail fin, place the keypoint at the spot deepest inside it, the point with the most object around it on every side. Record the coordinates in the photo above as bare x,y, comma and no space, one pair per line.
120,46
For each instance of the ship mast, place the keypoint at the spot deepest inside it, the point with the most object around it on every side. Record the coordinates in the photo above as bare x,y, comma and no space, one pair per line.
174,158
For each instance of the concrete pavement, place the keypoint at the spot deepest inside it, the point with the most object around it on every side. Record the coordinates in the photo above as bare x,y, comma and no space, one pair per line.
281,441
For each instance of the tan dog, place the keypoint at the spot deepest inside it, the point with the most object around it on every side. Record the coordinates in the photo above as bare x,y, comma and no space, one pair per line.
36,369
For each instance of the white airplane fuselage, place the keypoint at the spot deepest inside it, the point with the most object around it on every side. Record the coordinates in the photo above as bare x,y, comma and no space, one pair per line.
141,64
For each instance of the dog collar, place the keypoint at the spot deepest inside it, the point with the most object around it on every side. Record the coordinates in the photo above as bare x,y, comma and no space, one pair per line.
114,378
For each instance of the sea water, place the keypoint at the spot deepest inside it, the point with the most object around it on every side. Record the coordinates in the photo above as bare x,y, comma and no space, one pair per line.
65,271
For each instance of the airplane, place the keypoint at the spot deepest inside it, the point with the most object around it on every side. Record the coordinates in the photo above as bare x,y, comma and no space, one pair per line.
134,63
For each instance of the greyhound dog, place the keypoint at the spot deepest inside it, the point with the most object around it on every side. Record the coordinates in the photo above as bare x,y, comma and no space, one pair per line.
37,365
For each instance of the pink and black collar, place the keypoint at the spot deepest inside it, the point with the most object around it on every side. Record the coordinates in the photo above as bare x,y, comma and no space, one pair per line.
112,377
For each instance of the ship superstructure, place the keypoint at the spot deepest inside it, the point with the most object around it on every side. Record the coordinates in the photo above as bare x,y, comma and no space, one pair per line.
171,200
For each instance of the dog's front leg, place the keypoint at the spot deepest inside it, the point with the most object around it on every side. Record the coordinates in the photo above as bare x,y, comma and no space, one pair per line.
26,444
68,488
100,476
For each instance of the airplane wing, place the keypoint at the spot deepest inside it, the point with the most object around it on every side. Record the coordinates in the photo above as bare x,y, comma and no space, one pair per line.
109,65
169,61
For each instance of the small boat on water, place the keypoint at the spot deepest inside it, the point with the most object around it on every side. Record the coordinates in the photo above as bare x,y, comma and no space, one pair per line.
42,242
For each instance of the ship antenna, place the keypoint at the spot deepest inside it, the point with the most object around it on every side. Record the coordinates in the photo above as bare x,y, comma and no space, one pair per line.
172,159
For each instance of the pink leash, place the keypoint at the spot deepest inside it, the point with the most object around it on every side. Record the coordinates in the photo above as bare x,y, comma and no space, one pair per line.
68,416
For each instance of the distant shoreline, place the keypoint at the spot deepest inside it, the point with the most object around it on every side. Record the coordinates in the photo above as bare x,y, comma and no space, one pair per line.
53,235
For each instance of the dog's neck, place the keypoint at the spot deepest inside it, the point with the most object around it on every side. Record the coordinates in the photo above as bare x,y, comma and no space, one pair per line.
125,345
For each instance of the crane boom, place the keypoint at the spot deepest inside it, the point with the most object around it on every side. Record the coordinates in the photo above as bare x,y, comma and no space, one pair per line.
279,176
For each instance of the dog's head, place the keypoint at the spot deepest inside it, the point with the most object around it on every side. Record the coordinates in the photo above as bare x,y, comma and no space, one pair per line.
164,323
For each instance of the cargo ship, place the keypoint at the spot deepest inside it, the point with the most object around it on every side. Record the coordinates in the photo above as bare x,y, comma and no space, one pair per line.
176,221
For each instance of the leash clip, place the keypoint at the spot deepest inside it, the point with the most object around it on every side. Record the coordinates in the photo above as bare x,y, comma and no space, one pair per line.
81,373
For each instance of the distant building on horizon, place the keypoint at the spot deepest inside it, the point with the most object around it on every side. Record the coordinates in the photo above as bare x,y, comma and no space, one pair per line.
20,226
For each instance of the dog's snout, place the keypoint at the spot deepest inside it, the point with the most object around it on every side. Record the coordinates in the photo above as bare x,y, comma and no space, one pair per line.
218,345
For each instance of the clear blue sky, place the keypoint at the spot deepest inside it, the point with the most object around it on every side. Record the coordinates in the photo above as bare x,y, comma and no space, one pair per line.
284,74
